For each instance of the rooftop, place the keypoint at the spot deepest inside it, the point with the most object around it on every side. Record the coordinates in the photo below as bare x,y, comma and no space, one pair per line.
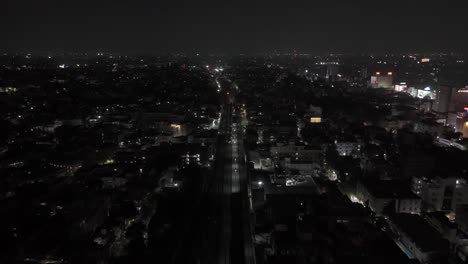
390,189
424,236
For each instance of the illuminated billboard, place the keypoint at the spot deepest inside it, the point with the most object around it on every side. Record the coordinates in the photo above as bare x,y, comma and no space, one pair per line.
316,120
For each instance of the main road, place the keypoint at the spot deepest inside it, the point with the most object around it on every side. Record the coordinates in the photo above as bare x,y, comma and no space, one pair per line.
222,232
234,241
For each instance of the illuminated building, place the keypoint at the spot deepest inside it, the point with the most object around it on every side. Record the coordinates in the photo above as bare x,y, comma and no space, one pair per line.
315,120
314,114
8,90
441,194
459,121
382,80
69,166
449,143
304,167
423,93
381,194
455,102
297,151
401,87
459,100
332,71
465,129
347,148
443,97
425,60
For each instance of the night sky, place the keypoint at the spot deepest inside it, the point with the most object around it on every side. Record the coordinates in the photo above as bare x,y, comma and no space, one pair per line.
143,26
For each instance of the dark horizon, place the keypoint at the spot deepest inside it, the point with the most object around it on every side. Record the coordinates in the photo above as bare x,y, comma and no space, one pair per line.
234,27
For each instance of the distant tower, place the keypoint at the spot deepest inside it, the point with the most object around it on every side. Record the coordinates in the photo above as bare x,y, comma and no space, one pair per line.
332,71
443,97
364,73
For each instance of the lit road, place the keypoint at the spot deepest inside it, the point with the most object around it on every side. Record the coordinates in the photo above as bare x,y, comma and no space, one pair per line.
226,185
235,239
222,233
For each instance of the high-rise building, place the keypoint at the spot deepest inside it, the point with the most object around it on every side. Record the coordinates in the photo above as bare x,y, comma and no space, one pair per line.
332,71
459,100
443,96
441,194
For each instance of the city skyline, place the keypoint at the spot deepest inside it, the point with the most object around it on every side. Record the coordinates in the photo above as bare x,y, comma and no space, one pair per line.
234,132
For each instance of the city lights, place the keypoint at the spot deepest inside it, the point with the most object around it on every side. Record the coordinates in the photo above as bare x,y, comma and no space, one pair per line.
225,132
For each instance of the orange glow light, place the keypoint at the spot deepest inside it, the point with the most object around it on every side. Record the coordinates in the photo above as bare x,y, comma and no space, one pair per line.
377,73
390,73
316,120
